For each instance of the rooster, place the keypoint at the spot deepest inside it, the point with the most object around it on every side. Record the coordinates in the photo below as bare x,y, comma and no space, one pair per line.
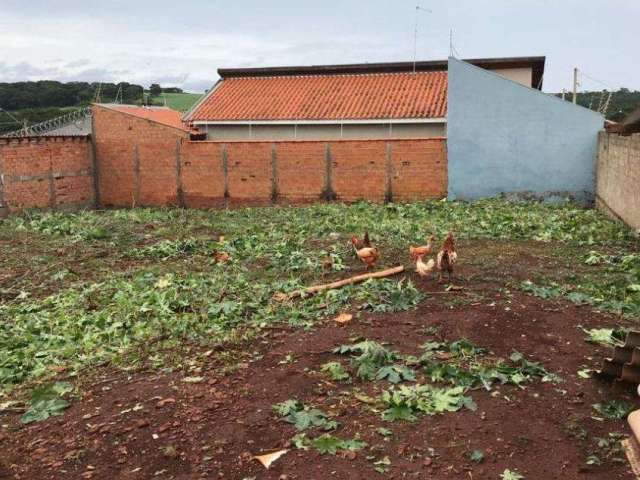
447,257
422,268
364,251
416,252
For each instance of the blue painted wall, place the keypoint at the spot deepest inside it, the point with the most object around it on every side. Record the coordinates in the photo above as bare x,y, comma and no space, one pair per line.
506,138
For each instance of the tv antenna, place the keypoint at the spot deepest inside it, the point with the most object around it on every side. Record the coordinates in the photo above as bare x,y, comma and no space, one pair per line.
415,34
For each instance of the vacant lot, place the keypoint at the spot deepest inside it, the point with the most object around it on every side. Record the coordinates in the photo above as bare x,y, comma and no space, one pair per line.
130,349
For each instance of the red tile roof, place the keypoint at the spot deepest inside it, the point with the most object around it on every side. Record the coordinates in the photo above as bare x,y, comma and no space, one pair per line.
326,97
166,116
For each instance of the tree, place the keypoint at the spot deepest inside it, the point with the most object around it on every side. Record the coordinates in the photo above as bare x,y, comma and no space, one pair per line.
155,90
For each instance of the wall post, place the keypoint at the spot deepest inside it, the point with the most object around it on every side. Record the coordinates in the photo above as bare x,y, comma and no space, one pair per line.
274,173
179,187
388,193
328,193
52,188
225,172
136,176
93,160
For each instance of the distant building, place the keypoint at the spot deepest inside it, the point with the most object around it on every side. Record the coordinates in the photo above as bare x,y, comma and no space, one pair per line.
327,102
631,124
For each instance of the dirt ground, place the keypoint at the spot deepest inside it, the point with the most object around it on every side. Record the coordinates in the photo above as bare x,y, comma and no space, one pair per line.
148,424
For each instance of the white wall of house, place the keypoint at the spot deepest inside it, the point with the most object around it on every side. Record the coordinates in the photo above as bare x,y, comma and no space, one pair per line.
520,75
322,131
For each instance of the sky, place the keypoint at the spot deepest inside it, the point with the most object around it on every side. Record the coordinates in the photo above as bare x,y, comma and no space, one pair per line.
183,43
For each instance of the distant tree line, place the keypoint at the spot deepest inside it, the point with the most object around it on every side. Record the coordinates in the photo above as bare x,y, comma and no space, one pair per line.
622,103
48,93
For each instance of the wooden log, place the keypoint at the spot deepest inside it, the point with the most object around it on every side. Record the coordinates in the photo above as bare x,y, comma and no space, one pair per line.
339,283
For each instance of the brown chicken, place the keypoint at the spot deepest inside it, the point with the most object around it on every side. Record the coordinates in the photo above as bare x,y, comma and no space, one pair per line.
416,252
364,251
424,269
447,257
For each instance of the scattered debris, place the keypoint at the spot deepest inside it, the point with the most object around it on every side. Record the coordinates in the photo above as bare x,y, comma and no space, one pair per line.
279,296
268,458
343,318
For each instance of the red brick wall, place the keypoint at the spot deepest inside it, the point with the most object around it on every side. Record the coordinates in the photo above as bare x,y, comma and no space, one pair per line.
259,173
301,171
359,169
140,162
418,169
46,172
249,172
136,158
202,174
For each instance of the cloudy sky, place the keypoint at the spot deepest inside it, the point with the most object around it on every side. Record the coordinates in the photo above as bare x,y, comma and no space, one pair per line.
183,43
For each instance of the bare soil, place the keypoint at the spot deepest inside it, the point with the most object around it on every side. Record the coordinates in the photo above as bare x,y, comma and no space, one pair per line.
149,424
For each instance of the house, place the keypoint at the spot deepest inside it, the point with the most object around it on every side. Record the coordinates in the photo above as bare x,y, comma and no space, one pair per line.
330,102
630,124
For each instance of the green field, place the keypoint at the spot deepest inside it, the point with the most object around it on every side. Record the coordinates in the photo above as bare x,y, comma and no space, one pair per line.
179,101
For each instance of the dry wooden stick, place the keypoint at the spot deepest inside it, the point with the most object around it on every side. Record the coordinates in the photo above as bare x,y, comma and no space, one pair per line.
340,283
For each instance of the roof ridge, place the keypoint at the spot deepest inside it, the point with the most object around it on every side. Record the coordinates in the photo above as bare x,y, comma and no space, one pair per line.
334,75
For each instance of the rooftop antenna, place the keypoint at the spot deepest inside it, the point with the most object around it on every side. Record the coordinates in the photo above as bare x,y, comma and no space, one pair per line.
415,34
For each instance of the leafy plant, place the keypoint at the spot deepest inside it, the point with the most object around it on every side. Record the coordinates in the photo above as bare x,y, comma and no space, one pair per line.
383,465
405,402
336,371
610,337
467,367
614,409
47,402
510,475
396,374
328,444
610,447
367,357
477,456
303,417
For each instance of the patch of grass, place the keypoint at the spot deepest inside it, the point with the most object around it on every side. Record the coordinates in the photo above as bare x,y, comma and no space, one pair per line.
178,101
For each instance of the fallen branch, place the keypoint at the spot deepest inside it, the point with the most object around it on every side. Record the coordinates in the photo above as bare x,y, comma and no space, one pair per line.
340,283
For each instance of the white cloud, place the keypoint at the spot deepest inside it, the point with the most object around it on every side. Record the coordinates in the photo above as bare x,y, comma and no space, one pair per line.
86,49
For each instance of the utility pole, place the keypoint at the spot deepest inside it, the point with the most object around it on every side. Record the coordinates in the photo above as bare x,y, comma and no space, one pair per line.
575,85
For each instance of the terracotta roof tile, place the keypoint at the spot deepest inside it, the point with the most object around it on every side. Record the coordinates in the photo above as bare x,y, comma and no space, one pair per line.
327,97
163,115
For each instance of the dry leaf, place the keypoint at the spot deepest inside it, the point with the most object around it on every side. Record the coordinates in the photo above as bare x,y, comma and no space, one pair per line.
454,288
268,458
221,257
221,238
280,297
343,318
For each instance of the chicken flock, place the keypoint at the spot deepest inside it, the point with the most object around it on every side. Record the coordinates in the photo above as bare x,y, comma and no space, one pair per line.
443,262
